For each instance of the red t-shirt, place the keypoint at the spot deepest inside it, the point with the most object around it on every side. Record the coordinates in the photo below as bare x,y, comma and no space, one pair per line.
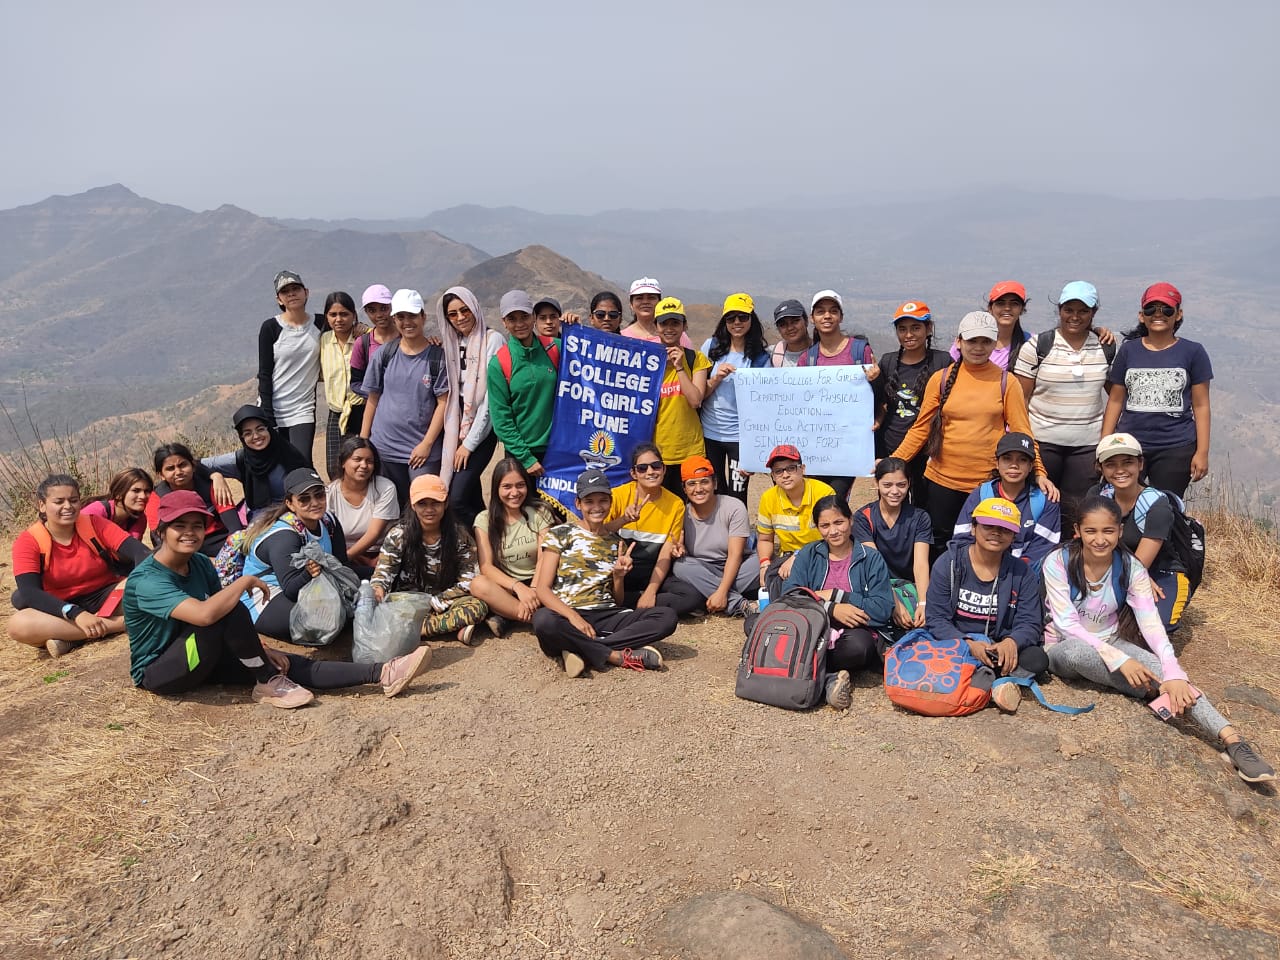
73,570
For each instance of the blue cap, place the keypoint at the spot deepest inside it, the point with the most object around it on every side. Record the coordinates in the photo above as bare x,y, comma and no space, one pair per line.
1081,290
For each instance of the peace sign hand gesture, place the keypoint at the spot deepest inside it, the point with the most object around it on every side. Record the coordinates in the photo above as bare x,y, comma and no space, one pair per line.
622,566
632,513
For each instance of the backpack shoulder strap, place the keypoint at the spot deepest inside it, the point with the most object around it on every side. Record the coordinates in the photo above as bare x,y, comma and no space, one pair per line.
1044,343
779,353
1030,684
1038,501
1120,576
553,350
1108,351
811,356
987,490
504,361
385,354
690,355
1146,500
44,543
860,344
866,512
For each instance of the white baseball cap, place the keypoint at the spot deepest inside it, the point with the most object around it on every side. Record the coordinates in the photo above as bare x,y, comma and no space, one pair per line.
646,285
827,295
979,323
406,301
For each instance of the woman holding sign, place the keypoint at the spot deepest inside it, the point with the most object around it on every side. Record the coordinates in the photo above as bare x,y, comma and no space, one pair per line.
522,384
678,431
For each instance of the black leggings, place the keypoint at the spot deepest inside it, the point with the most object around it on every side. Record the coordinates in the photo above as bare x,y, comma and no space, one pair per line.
466,494
1169,468
856,649
944,506
302,436
615,630
681,597
723,455
1073,469
214,654
273,621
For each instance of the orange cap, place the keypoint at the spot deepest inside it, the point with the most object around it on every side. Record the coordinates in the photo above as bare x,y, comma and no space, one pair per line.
1007,286
696,467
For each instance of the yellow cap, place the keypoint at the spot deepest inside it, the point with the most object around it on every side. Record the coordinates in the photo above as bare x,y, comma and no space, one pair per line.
738,303
998,512
670,307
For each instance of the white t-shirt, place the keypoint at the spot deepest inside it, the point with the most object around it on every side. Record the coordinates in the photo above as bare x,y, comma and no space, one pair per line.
1069,397
379,503
295,374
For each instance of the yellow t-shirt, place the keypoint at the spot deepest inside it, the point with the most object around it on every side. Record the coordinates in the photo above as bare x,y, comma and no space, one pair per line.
792,527
660,520
678,432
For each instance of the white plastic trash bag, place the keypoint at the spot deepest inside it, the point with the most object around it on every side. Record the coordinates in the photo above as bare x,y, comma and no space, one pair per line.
388,629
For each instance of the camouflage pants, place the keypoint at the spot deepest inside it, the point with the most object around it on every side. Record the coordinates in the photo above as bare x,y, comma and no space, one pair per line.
461,612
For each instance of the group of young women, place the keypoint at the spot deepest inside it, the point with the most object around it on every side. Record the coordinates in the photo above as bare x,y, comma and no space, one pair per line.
985,454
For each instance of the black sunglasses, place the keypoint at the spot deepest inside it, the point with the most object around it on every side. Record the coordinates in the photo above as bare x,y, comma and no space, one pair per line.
1151,309
652,466
611,314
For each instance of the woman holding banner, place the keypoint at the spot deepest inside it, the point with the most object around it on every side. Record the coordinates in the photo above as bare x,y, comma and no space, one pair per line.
738,341
522,384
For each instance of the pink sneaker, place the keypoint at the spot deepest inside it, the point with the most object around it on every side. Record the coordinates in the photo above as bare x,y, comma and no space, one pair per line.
282,692
397,673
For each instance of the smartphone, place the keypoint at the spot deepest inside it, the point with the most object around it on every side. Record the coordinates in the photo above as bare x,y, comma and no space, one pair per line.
1160,705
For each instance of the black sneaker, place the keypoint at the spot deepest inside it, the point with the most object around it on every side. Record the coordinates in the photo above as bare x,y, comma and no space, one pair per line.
1251,767
646,658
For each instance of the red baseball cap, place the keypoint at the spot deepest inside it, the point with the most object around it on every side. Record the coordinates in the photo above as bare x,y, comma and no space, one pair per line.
783,451
1165,293
179,503
1007,286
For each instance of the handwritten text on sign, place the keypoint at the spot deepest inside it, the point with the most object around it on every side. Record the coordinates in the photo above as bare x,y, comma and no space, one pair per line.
826,412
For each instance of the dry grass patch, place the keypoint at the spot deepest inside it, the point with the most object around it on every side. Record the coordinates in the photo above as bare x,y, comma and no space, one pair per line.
993,878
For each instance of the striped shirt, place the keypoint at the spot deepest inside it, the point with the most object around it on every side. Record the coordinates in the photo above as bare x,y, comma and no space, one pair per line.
1069,397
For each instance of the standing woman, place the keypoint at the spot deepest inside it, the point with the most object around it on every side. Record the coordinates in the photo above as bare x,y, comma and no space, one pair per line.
363,501
289,364
1160,393
469,440
427,552
606,312
792,323
645,294
966,409
1007,302
67,571
903,534
738,341
678,431
382,329
507,539
178,469
900,388
408,390
832,348
261,464
1066,391
522,394
1102,627
346,408
126,502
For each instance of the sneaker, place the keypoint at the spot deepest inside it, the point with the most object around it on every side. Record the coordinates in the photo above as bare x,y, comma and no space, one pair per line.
467,635
1251,767
282,692
397,673
749,608
573,664
646,658
498,625
58,648
1007,696
839,691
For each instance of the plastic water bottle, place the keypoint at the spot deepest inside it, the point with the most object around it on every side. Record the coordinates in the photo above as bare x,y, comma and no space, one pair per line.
762,599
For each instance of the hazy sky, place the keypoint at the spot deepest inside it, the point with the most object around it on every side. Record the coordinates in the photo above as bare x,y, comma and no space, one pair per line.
380,108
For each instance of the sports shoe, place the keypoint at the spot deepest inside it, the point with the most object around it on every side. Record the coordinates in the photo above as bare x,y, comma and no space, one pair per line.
646,658
1251,767
467,635
397,673
1007,696
749,608
282,692
58,648
839,690
498,625
573,664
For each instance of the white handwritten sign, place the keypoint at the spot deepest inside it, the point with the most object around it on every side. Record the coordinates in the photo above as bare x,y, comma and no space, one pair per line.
825,412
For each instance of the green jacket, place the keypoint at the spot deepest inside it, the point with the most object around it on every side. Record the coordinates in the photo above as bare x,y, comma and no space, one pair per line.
521,410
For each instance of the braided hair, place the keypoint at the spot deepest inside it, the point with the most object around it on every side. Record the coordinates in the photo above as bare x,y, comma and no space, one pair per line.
934,444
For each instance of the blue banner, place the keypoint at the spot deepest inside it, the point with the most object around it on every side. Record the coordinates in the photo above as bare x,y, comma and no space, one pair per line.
606,403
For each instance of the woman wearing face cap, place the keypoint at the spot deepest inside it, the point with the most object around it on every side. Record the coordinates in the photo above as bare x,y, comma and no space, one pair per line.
261,463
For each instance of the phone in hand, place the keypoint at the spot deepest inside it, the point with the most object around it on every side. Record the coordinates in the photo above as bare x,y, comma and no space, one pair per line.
1161,707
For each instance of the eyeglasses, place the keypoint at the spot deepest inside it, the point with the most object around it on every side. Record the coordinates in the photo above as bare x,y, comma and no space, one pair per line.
306,498
1151,309
611,314
255,432
651,466
458,314
785,471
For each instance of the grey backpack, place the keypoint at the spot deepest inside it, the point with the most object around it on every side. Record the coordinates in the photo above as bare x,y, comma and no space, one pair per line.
784,661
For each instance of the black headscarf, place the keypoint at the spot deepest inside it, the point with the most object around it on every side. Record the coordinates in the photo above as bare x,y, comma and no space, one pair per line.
258,464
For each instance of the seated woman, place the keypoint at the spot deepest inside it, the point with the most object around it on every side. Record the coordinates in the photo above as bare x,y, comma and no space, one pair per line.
68,568
427,552
126,502
650,520
902,533
264,459
274,537
178,469
185,630
1103,627
507,538
712,557
855,583
1014,479
582,619
978,591
363,501
1148,519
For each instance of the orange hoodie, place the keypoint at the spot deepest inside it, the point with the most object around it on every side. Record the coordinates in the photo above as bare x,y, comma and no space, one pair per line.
974,418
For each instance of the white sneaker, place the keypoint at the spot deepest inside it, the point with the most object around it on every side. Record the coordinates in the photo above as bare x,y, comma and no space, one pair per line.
58,648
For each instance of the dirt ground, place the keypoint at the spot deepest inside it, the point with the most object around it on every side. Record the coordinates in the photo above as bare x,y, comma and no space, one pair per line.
499,809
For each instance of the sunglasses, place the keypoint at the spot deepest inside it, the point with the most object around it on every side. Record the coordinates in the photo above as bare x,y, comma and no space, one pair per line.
651,466
1151,309
737,318
611,314
306,498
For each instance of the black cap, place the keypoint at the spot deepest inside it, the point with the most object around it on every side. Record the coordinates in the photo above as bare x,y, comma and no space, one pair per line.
1016,443
592,481
299,479
249,412
286,277
550,302
789,308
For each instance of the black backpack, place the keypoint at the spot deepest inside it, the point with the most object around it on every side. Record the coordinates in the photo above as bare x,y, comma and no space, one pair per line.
784,661
1044,343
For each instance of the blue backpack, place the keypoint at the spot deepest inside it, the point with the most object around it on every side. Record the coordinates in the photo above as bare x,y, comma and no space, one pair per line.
1037,499
1186,537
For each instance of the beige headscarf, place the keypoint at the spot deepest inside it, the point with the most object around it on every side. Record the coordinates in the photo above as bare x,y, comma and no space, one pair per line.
466,393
